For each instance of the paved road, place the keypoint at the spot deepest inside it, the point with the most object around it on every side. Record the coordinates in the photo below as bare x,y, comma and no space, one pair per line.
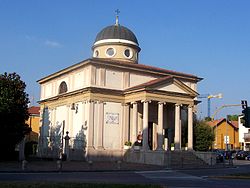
168,177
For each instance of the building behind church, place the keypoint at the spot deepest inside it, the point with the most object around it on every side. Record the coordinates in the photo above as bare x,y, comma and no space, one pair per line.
109,99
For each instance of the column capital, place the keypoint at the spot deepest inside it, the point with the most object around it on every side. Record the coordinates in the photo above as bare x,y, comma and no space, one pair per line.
178,104
125,104
146,101
100,101
161,102
91,101
134,102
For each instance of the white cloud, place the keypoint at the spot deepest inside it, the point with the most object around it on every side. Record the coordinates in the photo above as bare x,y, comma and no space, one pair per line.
52,44
29,37
49,43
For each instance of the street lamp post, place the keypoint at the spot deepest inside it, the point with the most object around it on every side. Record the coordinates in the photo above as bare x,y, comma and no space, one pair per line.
219,96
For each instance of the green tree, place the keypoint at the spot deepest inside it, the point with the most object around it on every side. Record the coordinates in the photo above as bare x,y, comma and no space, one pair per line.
208,119
233,117
203,136
13,113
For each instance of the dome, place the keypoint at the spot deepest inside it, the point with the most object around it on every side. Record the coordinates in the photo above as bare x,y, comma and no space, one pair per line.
116,33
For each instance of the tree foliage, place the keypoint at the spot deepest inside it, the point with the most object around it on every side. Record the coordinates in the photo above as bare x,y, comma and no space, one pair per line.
233,117
203,136
13,112
208,119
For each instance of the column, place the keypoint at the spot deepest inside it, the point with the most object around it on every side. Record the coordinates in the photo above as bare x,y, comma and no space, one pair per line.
90,124
134,123
190,127
100,126
177,135
145,126
125,132
160,127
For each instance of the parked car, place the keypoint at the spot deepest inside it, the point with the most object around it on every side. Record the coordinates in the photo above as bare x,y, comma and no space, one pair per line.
219,156
241,155
248,157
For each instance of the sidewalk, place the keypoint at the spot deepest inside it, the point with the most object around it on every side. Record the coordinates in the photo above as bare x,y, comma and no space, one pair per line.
74,166
83,166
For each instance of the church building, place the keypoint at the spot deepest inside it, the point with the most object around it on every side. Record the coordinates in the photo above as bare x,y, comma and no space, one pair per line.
110,99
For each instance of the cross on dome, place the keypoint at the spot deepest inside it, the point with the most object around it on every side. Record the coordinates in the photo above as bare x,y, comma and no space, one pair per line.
117,11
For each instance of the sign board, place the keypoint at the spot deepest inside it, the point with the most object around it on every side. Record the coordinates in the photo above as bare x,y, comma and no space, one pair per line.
226,139
112,118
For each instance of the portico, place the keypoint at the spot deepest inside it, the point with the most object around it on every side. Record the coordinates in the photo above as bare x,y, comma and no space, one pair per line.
159,125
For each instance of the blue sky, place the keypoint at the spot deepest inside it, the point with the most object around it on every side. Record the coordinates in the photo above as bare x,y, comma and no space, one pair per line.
210,39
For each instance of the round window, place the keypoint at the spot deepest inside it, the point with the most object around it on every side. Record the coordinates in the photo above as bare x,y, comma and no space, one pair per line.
110,52
96,53
128,53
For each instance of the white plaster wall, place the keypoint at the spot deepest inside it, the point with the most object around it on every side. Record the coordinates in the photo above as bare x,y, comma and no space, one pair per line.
112,131
61,115
74,80
77,119
46,123
78,80
139,79
42,92
187,83
48,90
114,79
171,88
194,86
98,76
242,130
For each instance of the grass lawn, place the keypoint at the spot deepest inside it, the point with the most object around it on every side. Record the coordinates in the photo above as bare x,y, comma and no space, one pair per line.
70,185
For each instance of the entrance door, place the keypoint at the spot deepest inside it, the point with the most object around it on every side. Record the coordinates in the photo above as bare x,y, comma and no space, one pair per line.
150,135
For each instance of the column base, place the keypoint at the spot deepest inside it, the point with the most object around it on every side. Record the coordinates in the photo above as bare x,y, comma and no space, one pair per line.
90,147
159,149
100,148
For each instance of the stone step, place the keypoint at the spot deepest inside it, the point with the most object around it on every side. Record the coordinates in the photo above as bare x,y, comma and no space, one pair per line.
185,159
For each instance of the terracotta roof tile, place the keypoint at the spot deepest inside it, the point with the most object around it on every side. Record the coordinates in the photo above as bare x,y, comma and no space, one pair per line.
34,110
218,121
142,66
235,124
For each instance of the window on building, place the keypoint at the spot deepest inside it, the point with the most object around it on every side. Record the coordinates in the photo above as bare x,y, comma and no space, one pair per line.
96,53
110,52
128,53
63,87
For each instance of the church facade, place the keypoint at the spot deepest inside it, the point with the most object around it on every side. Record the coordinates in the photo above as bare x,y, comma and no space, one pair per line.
108,100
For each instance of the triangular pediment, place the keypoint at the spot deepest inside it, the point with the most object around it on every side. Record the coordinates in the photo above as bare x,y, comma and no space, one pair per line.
176,86
171,87
168,84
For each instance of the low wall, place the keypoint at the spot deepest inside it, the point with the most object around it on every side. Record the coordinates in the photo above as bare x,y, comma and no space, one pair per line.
146,157
207,157
104,155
